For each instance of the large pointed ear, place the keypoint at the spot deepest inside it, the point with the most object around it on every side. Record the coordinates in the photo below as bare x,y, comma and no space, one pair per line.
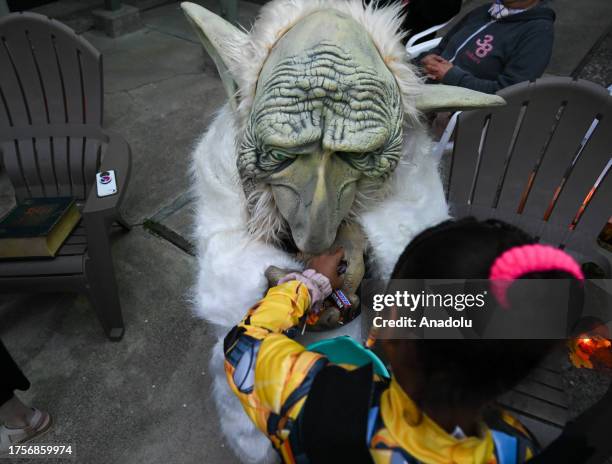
217,37
438,97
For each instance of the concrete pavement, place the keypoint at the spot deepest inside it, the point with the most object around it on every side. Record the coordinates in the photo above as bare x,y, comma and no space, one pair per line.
143,400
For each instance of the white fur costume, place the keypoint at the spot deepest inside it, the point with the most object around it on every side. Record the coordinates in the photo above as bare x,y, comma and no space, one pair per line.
226,251
225,248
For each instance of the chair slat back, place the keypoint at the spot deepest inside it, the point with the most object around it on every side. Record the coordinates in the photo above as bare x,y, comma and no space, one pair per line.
541,162
49,76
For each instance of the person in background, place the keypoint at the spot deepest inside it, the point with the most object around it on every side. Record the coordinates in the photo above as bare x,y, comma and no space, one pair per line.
433,408
494,46
18,422
423,14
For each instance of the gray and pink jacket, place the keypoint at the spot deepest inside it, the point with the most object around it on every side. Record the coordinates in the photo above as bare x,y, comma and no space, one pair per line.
490,54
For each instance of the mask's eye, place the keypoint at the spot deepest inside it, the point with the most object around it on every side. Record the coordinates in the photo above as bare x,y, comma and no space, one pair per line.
359,161
275,159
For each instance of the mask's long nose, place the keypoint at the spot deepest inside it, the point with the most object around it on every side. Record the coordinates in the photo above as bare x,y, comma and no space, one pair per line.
325,191
318,210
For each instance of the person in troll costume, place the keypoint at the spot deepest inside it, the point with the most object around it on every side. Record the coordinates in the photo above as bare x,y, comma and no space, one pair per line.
320,144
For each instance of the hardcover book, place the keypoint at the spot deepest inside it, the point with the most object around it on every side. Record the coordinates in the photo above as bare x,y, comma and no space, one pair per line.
37,227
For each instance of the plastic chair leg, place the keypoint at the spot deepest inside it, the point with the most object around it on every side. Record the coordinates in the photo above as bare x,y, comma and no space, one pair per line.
100,275
104,298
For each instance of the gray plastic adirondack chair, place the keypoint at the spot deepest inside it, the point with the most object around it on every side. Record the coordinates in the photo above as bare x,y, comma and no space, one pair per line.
53,144
542,162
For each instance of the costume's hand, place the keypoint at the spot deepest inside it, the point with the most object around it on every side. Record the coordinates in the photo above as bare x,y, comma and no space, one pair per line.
352,239
274,274
327,264
437,68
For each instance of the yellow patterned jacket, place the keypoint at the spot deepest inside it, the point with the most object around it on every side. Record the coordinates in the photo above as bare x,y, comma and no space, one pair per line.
271,374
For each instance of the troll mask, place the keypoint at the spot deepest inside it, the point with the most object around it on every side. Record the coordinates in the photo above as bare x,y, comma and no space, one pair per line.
323,114
325,120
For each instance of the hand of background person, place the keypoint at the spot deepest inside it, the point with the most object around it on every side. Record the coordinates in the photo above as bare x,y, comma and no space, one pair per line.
327,264
431,58
436,67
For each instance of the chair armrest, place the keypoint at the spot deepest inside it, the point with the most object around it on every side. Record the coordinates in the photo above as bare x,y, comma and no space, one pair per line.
443,145
417,49
117,157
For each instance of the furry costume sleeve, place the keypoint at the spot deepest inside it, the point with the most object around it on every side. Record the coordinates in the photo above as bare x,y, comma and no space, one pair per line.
224,248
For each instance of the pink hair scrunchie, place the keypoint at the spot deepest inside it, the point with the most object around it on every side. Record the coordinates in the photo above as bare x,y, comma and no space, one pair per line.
521,260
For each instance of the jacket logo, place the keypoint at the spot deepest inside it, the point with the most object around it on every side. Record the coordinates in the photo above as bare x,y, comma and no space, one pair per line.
485,46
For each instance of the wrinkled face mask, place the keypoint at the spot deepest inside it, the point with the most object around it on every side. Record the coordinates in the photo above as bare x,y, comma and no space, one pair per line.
325,126
327,117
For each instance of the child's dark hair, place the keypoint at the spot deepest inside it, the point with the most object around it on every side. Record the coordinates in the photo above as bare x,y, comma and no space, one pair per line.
468,372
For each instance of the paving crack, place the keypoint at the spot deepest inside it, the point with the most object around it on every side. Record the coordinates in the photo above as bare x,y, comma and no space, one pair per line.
164,232
178,203
176,36
127,91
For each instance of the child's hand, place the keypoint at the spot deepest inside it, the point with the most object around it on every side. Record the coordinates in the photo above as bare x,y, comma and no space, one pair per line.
327,264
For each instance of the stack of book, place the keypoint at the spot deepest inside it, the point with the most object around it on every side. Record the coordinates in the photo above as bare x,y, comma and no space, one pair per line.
37,227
